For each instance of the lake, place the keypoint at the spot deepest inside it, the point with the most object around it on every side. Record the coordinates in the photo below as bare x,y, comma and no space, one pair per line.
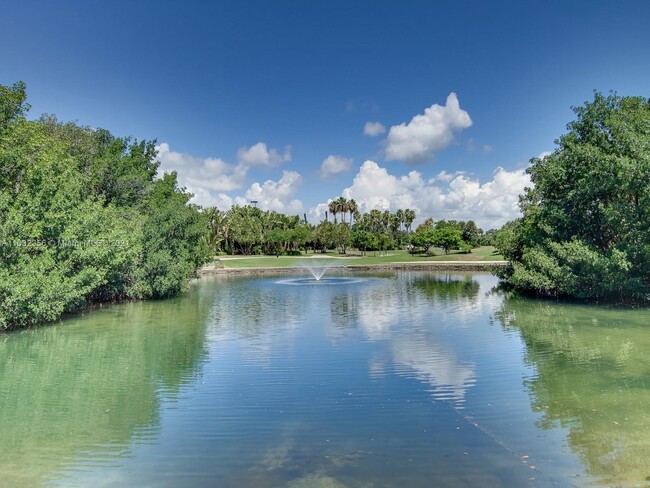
396,379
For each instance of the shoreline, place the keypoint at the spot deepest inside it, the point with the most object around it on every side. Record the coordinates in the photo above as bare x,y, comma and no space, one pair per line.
484,266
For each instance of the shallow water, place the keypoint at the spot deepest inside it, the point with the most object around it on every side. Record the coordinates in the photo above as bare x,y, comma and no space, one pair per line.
406,379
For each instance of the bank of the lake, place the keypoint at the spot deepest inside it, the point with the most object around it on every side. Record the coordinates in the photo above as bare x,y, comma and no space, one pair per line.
484,258
463,266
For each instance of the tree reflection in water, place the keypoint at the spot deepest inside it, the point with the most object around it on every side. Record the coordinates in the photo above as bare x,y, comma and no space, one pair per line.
593,375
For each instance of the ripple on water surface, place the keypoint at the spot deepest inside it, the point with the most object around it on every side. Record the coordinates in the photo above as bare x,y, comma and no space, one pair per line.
399,379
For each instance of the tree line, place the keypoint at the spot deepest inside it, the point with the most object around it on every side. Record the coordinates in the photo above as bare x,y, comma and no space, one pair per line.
249,230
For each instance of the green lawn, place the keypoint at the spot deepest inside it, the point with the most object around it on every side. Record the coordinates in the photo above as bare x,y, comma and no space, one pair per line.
486,253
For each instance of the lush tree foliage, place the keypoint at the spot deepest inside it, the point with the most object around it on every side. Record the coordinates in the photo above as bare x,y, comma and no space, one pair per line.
446,235
84,219
249,230
585,230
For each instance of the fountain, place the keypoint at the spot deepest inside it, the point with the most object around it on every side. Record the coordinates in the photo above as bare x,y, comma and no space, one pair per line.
318,268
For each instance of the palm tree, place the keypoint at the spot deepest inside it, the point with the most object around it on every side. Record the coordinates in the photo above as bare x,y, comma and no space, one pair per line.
385,220
353,208
218,228
342,206
333,208
374,217
409,217
357,215
394,226
400,217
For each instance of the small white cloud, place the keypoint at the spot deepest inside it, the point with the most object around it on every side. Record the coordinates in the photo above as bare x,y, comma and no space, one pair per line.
260,155
487,148
543,154
374,129
445,176
447,196
334,164
276,195
425,134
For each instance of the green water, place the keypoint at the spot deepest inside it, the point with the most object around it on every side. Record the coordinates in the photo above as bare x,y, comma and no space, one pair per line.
393,380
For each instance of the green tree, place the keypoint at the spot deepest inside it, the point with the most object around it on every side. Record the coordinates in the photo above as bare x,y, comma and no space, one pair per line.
84,219
424,238
585,230
447,236
362,240
12,103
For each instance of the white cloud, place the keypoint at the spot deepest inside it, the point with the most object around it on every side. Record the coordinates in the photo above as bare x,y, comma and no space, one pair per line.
373,129
209,178
427,133
543,154
334,164
487,148
260,155
200,175
446,176
276,195
447,196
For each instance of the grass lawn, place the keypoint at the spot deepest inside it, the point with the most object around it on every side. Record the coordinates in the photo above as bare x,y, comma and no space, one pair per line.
485,253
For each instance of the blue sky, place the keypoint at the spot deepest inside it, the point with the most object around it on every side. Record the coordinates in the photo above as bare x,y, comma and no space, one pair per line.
248,99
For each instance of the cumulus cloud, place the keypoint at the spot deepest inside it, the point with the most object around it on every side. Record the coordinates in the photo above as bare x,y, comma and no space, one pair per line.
262,156
334,164
373,129
448,196
200,175
277,195
425,134
209,179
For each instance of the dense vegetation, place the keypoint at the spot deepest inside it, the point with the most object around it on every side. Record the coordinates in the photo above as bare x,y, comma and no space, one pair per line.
84,218
585,230
248,230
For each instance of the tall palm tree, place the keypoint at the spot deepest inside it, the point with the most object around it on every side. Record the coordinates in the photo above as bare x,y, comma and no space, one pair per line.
400,217
385,220
374,217
409,217
342,206
353,208
394,226
333,208
357,216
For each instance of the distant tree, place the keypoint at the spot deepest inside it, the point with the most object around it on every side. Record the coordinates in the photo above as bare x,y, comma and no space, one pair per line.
353,208
471,234
409,217
342,237
362,240
427,224
424,238
447,237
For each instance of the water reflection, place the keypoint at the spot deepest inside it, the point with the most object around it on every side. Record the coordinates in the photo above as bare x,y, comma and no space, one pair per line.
593,377
445,287
401,315
78,390
398,379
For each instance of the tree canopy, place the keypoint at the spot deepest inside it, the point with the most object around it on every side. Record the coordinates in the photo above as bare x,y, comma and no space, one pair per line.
585,230
85,218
